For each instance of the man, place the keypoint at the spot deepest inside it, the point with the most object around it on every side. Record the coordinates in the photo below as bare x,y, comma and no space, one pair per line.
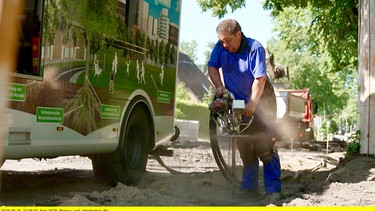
243,65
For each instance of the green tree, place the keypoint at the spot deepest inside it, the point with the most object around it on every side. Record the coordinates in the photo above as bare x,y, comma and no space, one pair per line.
220,7
190,49
162,47
172,54
167,53
181,92
51,21
140,40
305,72
151,50
128,34
350,111
309,62
94,19
207,54
156,51
121,28
333,26
208,97
148,46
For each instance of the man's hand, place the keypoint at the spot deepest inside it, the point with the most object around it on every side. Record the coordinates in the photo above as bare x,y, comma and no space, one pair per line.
216,80
249,109
256,93
219,91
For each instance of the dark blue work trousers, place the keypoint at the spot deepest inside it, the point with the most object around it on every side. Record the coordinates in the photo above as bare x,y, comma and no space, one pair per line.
260,146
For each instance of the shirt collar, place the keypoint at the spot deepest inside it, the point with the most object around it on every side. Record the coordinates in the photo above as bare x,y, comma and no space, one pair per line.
243,44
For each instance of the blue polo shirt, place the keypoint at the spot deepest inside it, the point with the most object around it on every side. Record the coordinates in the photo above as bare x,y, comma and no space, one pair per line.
240,68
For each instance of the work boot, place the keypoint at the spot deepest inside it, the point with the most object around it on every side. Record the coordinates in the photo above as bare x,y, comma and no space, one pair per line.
247,194
273,198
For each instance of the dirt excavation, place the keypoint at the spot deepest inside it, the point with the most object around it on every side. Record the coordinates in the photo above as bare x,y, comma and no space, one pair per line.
309,178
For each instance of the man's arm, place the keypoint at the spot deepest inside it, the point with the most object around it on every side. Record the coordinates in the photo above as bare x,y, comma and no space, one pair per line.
216,80
256,93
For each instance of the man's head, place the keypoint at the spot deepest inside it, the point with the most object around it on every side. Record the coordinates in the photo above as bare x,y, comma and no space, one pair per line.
229,33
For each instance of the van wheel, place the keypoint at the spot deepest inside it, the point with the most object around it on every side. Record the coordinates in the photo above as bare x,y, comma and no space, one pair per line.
127,164
135,139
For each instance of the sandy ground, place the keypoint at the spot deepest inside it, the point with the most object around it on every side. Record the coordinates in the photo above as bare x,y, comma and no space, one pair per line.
308,179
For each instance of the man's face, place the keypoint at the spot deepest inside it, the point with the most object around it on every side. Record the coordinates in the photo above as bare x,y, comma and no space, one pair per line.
230,42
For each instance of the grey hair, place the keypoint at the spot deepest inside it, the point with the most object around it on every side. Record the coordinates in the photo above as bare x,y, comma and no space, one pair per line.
228,25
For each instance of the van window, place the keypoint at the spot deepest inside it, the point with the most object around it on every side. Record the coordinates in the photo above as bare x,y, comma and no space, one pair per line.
29,45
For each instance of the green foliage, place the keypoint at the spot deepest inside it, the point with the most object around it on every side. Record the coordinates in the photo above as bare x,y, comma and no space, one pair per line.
178,113
333,27
353,146
195,111
161,51
208,97
172,54
50,14
97,16
220,7
189,110
181,92
333,127
207,54
308,61
190,49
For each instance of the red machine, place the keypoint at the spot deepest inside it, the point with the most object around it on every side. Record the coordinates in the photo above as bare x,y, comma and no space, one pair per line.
295,114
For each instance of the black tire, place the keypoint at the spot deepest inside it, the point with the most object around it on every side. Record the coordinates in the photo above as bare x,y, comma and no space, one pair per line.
135,139
127,164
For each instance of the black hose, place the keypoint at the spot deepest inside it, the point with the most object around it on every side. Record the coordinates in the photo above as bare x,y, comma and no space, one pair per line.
220,161
170,170
224,169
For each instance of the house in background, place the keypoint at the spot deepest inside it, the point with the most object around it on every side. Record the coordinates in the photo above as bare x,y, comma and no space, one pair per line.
196,82
197,86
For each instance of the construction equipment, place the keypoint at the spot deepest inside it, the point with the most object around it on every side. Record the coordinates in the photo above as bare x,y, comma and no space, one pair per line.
226,121
295,114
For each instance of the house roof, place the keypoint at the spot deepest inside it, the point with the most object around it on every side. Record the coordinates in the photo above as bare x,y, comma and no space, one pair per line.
192,76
